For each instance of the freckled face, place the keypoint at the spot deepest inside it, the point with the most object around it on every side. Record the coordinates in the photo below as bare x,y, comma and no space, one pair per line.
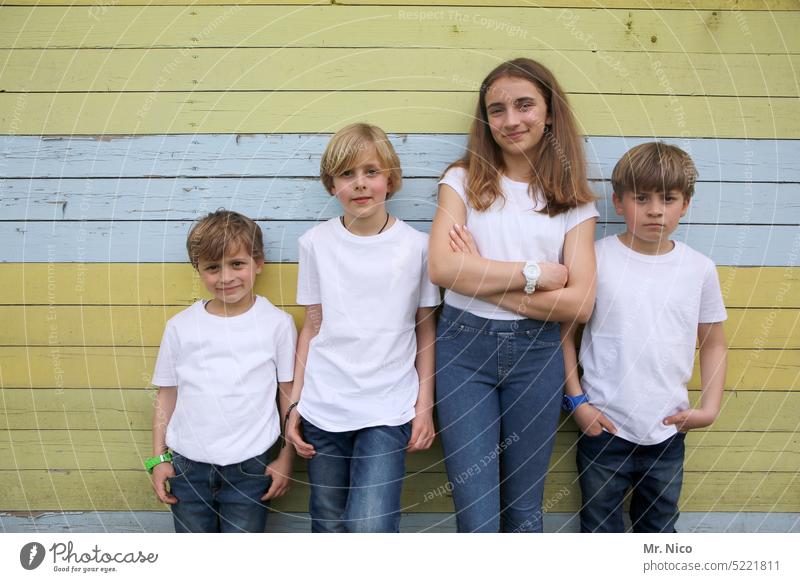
517,114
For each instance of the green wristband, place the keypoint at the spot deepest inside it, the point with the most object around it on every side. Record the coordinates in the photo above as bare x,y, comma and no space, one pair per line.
151,462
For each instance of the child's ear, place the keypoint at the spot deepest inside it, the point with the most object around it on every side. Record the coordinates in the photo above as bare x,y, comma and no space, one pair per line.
685,205
259,266
617,200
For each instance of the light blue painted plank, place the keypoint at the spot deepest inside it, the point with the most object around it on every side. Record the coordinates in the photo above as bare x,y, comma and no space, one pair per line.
732,160
306,199
161,522
151,241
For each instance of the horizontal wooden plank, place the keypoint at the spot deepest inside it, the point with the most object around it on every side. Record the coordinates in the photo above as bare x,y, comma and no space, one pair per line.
105,409
413,69
375,26
307,199
418,112
89,490
159,242
291,155
126,450
142,325
740,5
124,367
175,284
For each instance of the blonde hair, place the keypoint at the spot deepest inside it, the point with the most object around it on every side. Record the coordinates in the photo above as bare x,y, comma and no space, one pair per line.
654,167
558,165
223,232
348,144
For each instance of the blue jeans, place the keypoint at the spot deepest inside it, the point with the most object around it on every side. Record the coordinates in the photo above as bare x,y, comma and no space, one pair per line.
609,466
219,498
356,478
498,395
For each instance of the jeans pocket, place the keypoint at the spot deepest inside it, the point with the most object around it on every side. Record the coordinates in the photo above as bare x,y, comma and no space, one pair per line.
255,466
447,330
181,464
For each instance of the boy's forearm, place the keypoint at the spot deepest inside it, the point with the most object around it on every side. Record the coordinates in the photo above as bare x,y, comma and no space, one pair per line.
572,384
162,413
425,361
713,366
310,329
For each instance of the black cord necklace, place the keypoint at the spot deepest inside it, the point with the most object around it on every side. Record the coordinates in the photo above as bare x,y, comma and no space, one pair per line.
377,233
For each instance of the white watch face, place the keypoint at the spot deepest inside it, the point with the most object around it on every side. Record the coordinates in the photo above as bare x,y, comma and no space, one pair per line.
532,271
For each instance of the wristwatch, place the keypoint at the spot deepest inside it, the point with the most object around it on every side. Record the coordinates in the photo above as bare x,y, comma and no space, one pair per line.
570,403
532,272
151,462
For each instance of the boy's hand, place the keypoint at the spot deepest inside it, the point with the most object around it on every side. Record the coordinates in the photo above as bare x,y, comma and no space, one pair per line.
461,241
294,438
281,472
691,418
591,421
422,431
161,473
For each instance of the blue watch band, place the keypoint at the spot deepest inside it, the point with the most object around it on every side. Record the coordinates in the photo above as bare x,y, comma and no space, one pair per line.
570,403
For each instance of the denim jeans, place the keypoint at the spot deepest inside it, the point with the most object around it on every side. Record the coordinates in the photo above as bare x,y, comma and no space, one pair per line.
609,466
498,394
219,498
356,478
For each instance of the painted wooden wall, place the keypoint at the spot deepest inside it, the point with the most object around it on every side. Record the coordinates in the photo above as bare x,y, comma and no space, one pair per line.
121,122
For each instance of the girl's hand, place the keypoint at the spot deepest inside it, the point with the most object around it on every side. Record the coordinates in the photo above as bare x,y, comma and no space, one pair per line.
591,421
691,418
422,431
161,473
281,471
461,241
554,276
294,437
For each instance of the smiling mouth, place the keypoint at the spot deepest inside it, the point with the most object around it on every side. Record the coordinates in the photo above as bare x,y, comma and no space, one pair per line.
515,136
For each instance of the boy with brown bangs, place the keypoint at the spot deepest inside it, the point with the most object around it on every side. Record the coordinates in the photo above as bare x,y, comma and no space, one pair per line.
656,298
219,367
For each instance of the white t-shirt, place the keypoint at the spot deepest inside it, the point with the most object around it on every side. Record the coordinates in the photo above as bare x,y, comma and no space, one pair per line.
226,370
637,350
512,230
360,369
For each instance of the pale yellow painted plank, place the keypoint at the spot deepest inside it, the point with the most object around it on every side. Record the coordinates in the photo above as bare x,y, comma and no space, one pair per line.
522,28
742,5
132,410
130,490
140,325
123,450
412,69
400,112
174,284
131,367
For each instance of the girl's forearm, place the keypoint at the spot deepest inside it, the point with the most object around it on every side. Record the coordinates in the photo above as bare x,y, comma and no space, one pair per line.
474,275
565,305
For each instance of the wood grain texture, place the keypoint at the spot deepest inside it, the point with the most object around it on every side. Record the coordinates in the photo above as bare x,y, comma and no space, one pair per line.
392,26
164,241
412,112
298,155
390,69
175,284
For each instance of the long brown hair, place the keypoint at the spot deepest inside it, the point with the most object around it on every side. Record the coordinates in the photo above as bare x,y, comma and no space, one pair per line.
557,163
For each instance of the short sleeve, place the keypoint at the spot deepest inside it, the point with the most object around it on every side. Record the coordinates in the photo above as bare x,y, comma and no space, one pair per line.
579,214
285,342
456,178
308,283
165,373
712,307
429,295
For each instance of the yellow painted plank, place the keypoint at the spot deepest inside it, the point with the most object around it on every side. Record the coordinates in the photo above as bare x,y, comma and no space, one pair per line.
413,69
400,112
742,5
131,367
49,409
126,450
174,284
521,28
129,284
130,491
141,325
